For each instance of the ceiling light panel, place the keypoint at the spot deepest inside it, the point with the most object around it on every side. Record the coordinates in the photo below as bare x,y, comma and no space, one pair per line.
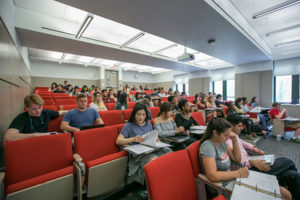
109,31
45,54
150,43
74,15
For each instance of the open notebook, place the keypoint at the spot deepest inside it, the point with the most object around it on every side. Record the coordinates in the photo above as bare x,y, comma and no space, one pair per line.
149,144
256,186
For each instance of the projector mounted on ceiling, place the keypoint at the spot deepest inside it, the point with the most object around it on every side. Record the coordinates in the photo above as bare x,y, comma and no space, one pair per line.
185,57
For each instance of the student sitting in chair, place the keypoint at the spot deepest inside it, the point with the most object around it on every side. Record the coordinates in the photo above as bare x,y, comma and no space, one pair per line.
184,117
122,102
59,89
283,168
80,116
166,126
276,113
216,156
32,123
97,103
131,134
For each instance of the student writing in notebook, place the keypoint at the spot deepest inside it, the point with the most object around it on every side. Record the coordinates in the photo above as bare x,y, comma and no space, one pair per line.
216,155
131,134
285,174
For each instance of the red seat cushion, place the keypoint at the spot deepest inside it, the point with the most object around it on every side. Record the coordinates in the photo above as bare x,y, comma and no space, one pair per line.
94,143
112,117
127,113
39,180
170,177
193,151
33,157
198,117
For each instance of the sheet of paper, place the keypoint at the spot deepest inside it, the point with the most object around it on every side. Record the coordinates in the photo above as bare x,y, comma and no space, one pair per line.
150,139
198,127
138,149
269,159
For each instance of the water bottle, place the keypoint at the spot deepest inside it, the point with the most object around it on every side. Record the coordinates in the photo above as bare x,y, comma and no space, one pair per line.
278,137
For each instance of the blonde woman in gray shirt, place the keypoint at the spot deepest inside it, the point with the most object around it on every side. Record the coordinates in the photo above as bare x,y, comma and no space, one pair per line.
166,126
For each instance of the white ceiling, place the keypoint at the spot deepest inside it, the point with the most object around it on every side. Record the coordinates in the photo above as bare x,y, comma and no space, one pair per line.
280,30
34,14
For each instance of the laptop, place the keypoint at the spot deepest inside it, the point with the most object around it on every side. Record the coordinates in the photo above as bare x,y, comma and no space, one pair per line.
92,126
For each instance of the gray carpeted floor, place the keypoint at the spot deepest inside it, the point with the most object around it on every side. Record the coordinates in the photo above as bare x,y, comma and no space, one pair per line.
283,148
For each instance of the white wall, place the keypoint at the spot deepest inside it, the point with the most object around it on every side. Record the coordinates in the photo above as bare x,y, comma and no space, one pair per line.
253,67
7,12
55,70
129,76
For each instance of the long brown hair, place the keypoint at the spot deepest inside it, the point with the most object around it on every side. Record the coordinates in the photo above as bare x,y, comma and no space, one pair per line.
216,124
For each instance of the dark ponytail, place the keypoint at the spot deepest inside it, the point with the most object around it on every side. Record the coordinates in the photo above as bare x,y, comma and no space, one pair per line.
216,124
164,107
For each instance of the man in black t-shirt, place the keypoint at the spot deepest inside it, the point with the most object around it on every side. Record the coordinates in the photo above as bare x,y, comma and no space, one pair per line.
218,101
32,123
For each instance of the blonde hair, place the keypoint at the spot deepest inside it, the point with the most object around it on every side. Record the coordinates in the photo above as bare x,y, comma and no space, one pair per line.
33,99
101,105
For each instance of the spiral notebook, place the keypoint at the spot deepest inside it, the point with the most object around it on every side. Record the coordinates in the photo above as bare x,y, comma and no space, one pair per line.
256,186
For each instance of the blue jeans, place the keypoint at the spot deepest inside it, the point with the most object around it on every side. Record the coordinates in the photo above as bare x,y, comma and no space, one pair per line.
263,121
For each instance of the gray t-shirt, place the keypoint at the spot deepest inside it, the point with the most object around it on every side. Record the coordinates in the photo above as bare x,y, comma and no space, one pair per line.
209,149
132,129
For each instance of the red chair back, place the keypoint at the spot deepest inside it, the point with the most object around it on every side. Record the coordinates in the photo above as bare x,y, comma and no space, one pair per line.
131,105
164,99
65,101
60,94
170,177
46,97
50,107
29,158
193,152
95,143
67,107
198,117
154,111
118,127
111,117
127,113
110,106
49,102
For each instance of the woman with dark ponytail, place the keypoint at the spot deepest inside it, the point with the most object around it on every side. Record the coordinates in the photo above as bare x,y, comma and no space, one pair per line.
166,126
216,155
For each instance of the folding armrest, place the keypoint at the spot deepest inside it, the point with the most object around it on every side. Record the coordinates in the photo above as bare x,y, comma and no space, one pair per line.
80,174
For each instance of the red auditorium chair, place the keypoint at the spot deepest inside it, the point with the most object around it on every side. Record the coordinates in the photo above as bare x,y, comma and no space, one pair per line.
110,106
50,107
118,127
126,114
111,117
45,97
154,111
54,125
198,117
164,99
39,168
62,97
105,165
60,94
131,105
171,177
67,107
65,101
49,102
201,179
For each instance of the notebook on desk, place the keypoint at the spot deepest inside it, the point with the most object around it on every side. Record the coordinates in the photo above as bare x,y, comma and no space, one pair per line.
256,186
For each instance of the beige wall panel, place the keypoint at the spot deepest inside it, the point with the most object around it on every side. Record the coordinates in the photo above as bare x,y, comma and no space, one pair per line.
46,82
165,85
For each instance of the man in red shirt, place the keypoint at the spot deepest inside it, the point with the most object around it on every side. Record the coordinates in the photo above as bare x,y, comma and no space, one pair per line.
276,113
